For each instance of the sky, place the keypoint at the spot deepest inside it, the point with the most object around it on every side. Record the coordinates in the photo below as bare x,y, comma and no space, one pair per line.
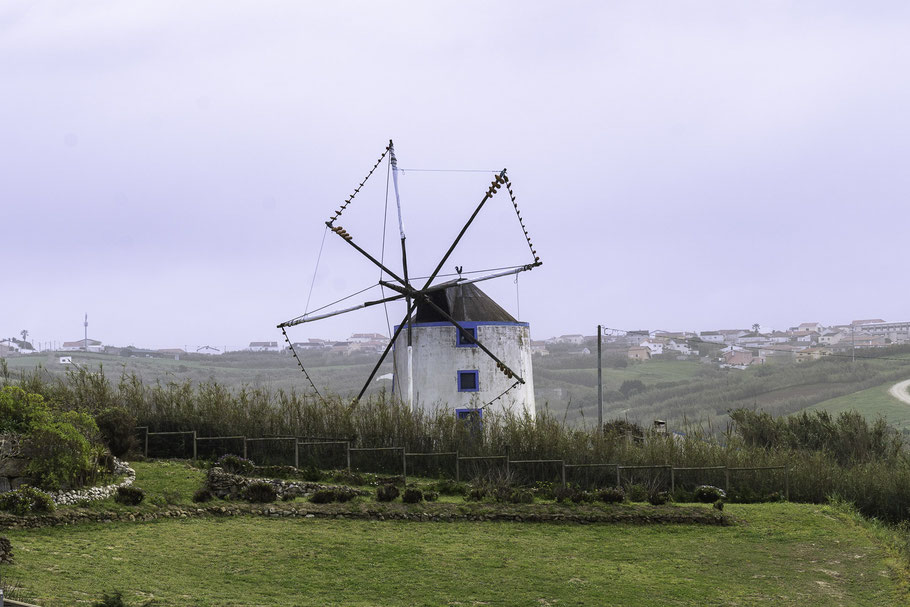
168,167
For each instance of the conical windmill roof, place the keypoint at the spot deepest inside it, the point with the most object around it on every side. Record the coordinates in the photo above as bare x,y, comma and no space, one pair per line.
463,303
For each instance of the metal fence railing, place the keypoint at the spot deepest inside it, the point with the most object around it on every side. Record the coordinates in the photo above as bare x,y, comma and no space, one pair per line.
742,483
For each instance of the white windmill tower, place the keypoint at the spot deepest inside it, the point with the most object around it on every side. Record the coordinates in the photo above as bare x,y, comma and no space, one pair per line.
455,346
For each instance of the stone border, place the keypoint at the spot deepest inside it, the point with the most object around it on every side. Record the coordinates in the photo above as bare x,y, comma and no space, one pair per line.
68,498
435,512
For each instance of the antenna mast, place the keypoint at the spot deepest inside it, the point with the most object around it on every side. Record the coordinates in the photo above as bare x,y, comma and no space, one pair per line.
85,341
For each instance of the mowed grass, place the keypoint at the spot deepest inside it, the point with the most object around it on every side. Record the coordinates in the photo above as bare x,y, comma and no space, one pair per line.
870,403
780,554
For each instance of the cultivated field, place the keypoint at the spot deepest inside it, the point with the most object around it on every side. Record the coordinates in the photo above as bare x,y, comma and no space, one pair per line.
871,403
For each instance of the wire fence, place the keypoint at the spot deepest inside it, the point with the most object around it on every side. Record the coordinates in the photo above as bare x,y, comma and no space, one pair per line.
326,453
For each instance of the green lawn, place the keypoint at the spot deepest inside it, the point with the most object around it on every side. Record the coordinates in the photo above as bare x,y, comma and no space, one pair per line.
871,403
781,554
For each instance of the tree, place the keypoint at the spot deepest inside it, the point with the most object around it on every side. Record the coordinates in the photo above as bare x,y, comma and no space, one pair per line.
756,327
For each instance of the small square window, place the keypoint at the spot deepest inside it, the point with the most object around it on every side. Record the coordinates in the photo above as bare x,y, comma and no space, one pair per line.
468,381
469,340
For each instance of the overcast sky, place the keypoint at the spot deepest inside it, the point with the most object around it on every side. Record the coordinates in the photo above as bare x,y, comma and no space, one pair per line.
167,167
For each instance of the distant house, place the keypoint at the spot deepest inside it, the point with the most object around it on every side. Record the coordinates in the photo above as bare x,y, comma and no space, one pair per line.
79,346
208,350
175,352
264,346
829,338
311,344
803,337
739,358
809,326
539,347
680,346
571,339
867,321
639,353
341,346
715,337
362,338
654,346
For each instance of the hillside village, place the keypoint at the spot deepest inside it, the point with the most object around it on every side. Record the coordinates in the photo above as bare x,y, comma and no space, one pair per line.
729,348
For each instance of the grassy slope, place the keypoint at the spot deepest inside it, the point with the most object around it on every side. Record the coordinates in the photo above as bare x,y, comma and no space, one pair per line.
783,554
871,403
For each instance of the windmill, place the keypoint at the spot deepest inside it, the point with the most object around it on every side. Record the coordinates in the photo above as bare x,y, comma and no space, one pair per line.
430,304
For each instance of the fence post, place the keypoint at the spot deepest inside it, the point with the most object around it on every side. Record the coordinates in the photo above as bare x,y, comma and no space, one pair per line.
194,444
563,474
787,482
457,467
618,481
244,448
727,480
672,479
347,452
507,461
146,452
296,453
404,465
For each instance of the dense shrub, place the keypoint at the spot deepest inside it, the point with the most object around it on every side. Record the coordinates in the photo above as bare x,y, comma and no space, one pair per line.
235,464
708,494
202,495
412,495
117,427
637,493
20,409
260,492
521,496
347,477
129,496
26,500
719,505
658,498
386,493
311,474
114,599
476,494
337,494
60,453
430,496
611,495
450,487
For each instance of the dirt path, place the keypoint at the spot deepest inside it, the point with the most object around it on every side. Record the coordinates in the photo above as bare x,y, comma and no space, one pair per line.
899,391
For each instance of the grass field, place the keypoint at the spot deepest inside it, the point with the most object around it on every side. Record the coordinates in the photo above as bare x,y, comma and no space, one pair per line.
779,554
871,403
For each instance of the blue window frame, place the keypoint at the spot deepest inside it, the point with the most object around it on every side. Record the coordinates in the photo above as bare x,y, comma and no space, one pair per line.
468,381
470,342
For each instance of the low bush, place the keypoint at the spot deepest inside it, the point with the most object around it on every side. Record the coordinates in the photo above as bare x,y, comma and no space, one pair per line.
235,464
202,495
337,494
708,494
386,493
611,495
412,495
450,487
521,496
114,599
129,496
346,477
430,496
637,493
260,492
658,498
311,474
719,505
476,494
26,500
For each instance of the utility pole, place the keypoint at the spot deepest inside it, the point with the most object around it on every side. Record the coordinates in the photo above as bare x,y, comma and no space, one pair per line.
853,335
85,343
600,383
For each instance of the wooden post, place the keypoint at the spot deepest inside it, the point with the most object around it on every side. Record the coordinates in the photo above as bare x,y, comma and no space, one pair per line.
618,481
457,467
146,453
296,453
194,444
563,474
507,461
672,480
727,481
404,466
244,448
347,452
787,483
